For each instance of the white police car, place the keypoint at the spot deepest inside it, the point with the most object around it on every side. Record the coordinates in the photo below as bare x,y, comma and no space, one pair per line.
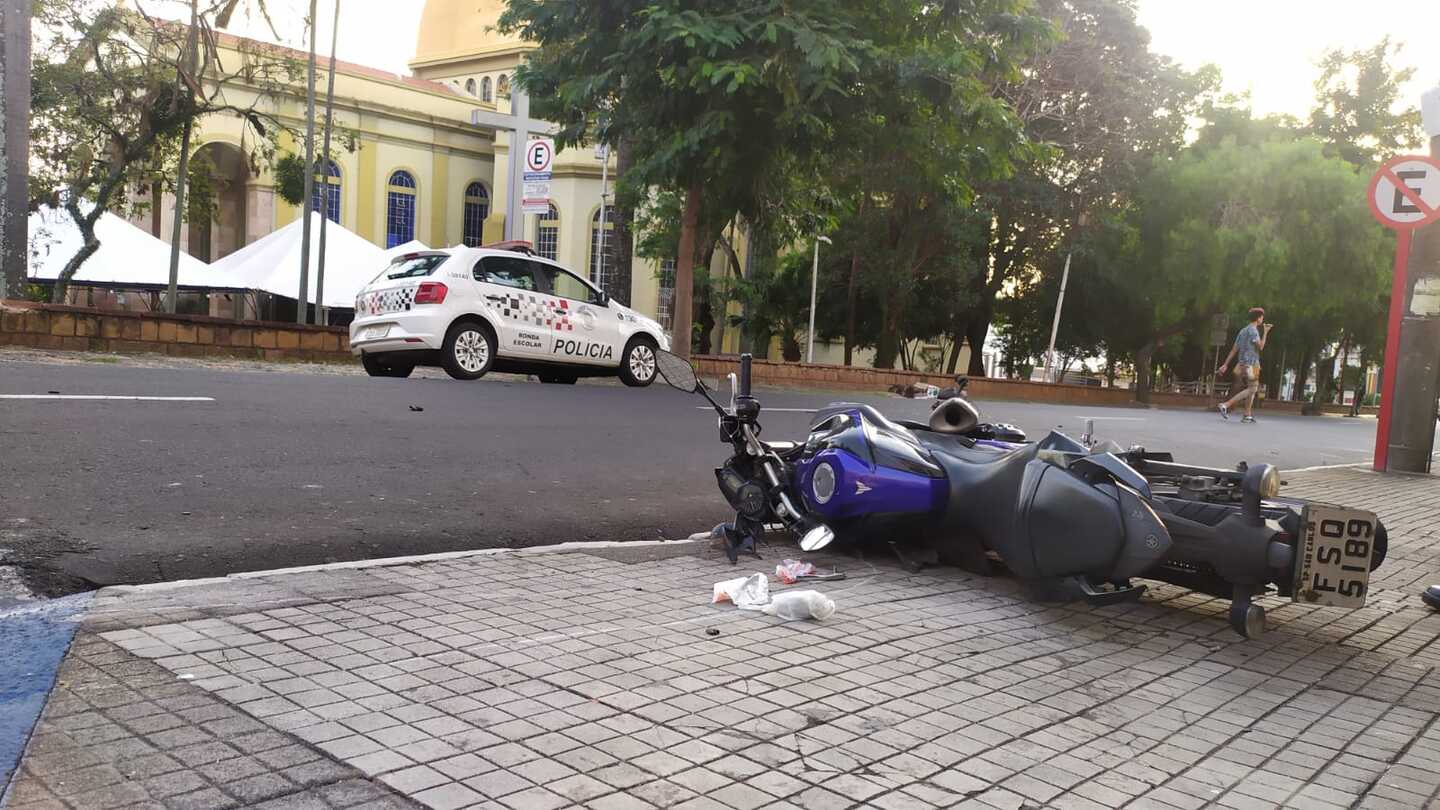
473,310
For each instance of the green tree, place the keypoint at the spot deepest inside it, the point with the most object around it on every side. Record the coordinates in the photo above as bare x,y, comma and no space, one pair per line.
1279,225
712,96
108,115
1107,106
1358,112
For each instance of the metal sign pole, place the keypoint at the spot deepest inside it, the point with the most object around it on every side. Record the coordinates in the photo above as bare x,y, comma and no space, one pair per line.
520,126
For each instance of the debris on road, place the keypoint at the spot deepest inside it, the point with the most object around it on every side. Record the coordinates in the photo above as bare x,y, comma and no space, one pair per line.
416,408
789,571
794,605
751,593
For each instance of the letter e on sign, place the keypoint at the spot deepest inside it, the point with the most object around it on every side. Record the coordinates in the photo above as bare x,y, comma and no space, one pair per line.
539,152
1405,193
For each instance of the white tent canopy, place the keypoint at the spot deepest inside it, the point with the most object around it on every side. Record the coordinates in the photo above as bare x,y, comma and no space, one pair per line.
272,264
127,257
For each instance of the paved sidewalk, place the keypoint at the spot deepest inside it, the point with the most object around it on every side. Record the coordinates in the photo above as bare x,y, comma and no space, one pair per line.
604,678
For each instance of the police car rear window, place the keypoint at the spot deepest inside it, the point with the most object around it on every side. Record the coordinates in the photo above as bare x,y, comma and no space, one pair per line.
414,266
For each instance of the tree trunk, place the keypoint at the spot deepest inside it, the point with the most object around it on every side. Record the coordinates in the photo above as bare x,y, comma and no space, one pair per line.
852,302
1109,370
1143,370
957,342
1302,374
624,213
889,347
92,244
790,347
681,331
156,212
976,330
852,292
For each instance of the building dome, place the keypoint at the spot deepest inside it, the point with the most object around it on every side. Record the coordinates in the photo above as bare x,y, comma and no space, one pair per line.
457,30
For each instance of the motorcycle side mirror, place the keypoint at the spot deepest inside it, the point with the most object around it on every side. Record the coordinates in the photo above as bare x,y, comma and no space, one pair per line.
817,538
677,371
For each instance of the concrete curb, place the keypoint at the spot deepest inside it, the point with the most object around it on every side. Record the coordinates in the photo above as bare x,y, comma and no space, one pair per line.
691,544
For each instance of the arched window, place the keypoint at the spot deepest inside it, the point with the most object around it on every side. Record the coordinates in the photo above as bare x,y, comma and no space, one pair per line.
502,86
485,94
327,190
477,208
470,86
400,209
600,260
547,236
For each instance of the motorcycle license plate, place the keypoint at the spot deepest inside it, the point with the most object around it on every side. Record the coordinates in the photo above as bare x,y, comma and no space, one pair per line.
375,332
1335,556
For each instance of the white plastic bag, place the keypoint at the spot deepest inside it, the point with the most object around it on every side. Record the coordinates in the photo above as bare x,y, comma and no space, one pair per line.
750,592
792,605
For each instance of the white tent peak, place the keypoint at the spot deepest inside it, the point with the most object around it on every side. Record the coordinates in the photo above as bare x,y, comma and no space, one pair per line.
272,264
127,257
413,246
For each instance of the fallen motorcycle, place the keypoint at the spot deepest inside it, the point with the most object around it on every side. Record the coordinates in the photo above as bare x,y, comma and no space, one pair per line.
1054,510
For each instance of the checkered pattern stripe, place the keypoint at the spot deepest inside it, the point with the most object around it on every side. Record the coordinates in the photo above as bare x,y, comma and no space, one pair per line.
538,310
383,302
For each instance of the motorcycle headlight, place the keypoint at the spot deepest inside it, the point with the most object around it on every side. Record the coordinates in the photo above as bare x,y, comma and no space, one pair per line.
822,483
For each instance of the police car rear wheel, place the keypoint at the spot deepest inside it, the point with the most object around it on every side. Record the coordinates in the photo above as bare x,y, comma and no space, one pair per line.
469,351
637,366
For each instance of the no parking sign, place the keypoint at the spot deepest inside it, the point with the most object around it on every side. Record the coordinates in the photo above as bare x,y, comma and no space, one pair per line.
1404,195
539,155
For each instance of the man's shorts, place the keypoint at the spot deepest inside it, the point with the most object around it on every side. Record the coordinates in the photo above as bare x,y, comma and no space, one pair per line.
1249,376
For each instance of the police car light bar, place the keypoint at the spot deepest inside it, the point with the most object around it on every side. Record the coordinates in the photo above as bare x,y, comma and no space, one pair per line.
515,245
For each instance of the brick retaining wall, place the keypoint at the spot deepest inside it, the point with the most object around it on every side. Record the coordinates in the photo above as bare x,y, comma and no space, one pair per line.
816,375
55,326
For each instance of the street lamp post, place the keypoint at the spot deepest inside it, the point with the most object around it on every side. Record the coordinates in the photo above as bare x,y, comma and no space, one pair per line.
814,285
1060,305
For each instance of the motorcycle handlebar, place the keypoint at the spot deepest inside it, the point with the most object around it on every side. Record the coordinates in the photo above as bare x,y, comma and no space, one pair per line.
745,363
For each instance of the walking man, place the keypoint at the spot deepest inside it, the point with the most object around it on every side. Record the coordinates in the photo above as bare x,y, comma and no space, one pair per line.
1248,345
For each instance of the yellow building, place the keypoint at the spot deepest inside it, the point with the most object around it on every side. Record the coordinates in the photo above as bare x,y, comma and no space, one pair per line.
420,170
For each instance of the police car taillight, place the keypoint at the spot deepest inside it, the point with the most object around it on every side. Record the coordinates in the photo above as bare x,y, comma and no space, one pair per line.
430,292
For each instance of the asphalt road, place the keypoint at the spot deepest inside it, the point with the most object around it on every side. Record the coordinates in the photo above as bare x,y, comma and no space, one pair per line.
285,469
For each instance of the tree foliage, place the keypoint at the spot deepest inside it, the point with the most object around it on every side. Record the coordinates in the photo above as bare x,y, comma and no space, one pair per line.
1358,114
111,94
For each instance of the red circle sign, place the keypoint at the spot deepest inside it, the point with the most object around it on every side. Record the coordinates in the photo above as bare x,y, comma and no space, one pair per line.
538,154
1405,193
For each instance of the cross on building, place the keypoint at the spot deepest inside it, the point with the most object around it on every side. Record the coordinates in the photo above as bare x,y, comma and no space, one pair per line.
520,126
